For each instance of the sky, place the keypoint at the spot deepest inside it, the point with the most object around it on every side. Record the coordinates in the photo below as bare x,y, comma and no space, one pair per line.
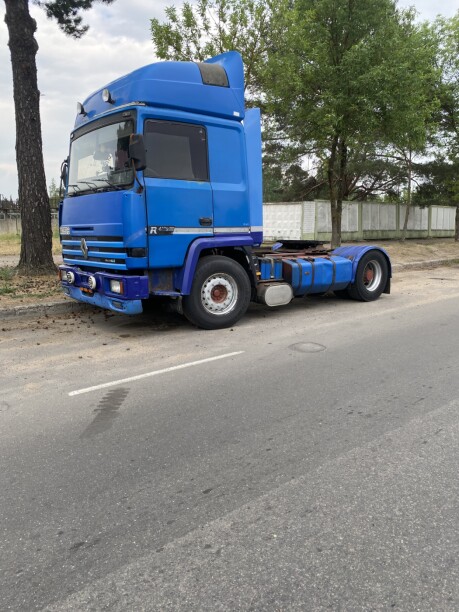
118,41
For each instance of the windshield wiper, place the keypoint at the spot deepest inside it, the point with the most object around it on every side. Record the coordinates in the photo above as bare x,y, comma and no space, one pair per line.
108,183
90,184
93,187
76,189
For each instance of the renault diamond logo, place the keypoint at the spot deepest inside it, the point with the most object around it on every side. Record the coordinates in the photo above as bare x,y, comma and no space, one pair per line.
84,248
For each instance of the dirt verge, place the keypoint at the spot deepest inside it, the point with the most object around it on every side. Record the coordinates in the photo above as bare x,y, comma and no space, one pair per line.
22,291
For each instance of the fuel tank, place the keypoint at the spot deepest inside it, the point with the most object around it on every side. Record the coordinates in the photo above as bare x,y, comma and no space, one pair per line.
317,274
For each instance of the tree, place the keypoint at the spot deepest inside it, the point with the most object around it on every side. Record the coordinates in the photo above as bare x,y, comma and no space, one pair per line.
8,204
339,82
410,127
199,31
440,186
36,240
448,59
53,189
54,195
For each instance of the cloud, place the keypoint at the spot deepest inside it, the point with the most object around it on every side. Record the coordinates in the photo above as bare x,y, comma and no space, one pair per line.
118,42
429,9
79,68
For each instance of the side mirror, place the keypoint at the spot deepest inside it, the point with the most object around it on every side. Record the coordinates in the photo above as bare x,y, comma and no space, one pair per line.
64,170
64,176
137,151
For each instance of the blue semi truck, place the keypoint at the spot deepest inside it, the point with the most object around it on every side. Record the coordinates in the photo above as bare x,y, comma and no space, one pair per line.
163,199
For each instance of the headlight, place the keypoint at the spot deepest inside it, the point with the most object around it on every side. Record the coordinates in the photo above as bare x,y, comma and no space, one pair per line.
92,282
70,277
116,286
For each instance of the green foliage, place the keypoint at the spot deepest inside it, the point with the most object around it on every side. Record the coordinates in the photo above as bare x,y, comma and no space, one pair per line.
350,74
53,189
8,203
448,60
6,274
285,177
355,87
6,289
198,31
67,14
440,185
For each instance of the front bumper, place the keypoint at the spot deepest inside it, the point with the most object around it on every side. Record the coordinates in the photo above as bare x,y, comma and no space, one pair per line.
134,290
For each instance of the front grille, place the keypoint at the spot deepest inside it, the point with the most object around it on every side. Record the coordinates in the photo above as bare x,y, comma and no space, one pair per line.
93,238
106,250
94,249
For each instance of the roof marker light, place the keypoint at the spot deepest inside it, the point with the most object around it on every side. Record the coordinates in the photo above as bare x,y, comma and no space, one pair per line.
107,97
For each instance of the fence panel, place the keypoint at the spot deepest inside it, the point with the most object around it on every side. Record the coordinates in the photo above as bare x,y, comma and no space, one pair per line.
282,221
360,221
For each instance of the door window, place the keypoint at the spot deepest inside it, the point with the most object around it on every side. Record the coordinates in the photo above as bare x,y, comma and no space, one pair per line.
176,151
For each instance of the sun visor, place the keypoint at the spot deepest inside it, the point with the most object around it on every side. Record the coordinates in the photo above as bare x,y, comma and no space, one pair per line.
232,64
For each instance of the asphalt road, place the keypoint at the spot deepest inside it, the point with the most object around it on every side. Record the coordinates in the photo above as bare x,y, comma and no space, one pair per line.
312,466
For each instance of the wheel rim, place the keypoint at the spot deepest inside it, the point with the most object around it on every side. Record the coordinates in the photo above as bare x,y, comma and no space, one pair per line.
219,294
372,275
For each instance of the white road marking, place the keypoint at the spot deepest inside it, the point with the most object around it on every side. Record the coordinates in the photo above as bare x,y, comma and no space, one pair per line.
121,381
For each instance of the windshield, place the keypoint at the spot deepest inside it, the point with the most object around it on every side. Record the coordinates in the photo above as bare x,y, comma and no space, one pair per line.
99,160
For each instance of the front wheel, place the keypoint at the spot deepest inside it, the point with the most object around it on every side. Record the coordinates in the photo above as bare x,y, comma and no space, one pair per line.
220,293
371,277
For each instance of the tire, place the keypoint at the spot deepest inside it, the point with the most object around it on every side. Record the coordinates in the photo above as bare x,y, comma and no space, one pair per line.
342,294
220,293
371,277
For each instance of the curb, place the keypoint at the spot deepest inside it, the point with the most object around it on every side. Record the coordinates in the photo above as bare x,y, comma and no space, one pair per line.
63,307
44,309
419,265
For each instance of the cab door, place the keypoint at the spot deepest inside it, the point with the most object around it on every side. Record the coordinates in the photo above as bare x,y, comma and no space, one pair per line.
178,189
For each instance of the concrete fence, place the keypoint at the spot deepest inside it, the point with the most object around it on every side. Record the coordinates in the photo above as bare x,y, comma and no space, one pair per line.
11,223
360,221
312,221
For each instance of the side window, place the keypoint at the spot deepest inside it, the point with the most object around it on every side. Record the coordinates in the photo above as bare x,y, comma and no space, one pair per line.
176,151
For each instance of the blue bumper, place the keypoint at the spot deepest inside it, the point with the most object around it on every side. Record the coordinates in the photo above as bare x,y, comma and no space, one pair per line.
95,289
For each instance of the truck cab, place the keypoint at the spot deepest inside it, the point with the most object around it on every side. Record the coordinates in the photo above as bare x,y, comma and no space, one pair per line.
163,197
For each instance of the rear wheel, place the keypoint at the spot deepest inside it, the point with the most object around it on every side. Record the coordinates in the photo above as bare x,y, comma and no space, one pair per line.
371,277
220,293
342,293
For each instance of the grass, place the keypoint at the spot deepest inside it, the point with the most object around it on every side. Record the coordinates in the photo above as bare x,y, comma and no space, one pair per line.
14,288
10,244
6,276
7,290
24,289
10,238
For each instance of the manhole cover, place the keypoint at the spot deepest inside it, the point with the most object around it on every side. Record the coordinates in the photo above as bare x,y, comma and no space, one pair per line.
308,347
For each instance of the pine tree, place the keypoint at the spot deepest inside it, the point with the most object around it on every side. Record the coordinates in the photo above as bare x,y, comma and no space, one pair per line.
36,241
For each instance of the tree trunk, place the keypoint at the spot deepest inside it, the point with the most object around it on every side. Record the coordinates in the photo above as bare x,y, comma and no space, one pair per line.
456,231
336,214
408,195
335,204
337,222
36,241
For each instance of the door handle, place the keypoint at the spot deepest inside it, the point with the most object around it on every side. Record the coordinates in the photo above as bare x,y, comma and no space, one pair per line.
205,221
